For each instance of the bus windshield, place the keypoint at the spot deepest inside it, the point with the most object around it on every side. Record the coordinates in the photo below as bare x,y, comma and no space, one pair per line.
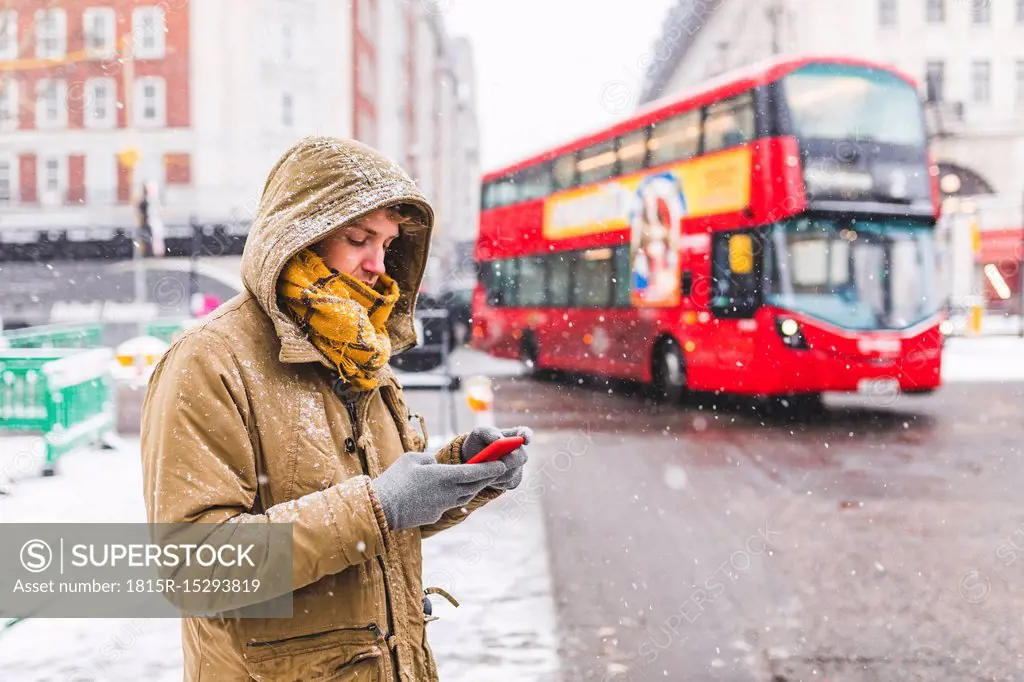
855,274
844,102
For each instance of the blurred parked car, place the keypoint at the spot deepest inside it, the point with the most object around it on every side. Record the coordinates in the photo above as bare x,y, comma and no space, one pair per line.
458,302
432,331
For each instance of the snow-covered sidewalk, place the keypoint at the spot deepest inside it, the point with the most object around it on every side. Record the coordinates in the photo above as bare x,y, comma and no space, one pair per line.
495,563
986,358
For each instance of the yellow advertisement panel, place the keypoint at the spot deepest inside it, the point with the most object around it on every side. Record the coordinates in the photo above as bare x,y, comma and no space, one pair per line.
715,184
652,206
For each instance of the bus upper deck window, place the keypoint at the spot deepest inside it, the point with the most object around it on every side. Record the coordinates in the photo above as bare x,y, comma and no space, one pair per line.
564,172
534,182
632,151
675,139
597,162
729,123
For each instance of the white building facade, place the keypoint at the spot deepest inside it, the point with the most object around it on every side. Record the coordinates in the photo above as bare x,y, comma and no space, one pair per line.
975,49
971,51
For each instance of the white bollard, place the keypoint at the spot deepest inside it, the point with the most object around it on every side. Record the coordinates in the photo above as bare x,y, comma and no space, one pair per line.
480,397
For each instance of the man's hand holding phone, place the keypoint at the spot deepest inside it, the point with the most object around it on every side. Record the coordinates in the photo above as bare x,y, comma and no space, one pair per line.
511,453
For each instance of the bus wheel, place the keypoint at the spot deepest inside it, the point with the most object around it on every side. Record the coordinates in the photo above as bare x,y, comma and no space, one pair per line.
668,372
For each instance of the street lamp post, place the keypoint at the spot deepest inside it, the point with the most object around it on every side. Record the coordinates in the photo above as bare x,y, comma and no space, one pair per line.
130,159
193,269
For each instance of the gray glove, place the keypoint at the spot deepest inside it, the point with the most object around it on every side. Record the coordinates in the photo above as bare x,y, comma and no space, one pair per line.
416,490
480,438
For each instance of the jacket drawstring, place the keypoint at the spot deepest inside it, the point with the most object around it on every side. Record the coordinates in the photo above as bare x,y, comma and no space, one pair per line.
444,593
428,608
423,428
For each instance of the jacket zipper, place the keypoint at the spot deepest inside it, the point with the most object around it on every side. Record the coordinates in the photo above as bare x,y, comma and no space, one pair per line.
372,627
350,405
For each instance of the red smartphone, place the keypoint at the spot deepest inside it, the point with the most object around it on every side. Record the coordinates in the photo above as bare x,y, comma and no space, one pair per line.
497,449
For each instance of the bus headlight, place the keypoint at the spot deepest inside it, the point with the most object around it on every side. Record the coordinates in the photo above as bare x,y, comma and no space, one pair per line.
946,327
790,333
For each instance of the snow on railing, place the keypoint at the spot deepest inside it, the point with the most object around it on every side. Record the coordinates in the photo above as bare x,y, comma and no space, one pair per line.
78,368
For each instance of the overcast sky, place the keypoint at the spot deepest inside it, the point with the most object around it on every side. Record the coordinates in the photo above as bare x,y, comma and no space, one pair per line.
549,70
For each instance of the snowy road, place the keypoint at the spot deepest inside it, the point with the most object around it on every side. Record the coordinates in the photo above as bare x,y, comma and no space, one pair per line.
871,542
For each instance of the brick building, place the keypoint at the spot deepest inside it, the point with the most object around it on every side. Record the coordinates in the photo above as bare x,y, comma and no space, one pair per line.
98,97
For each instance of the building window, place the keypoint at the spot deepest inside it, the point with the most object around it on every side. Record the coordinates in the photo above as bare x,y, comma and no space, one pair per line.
51,181
8,34
7,180
150,102
98,28
887,12
981,78
51,33
287,41
51,175
935,11
9,104
287,110
935,78
100,179
148,33
177,169
981,12
99,103
50,109
1020,82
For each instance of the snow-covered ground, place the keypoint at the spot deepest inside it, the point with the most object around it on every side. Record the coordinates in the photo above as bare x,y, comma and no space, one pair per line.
990,324
495,563
986,358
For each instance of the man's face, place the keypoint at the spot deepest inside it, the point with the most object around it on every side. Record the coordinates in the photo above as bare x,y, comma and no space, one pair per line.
358,248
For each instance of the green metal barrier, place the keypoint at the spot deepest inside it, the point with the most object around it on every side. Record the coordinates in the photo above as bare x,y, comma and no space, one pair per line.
88,335
168,330
66,394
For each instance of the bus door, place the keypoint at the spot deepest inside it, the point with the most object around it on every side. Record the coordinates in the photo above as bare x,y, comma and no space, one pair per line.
600,305
544,289
735,296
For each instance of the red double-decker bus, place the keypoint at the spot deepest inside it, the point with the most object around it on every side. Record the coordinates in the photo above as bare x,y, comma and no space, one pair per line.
770,234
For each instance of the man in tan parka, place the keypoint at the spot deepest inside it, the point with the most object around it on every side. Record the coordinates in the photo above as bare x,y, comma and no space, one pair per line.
280,407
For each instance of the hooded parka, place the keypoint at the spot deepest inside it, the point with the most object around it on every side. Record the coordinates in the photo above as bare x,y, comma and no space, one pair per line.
246,421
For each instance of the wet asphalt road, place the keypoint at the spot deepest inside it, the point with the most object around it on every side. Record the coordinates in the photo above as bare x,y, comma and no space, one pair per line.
868,542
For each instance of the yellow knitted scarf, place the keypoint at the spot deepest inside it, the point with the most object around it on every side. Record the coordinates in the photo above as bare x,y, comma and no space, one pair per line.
343,317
